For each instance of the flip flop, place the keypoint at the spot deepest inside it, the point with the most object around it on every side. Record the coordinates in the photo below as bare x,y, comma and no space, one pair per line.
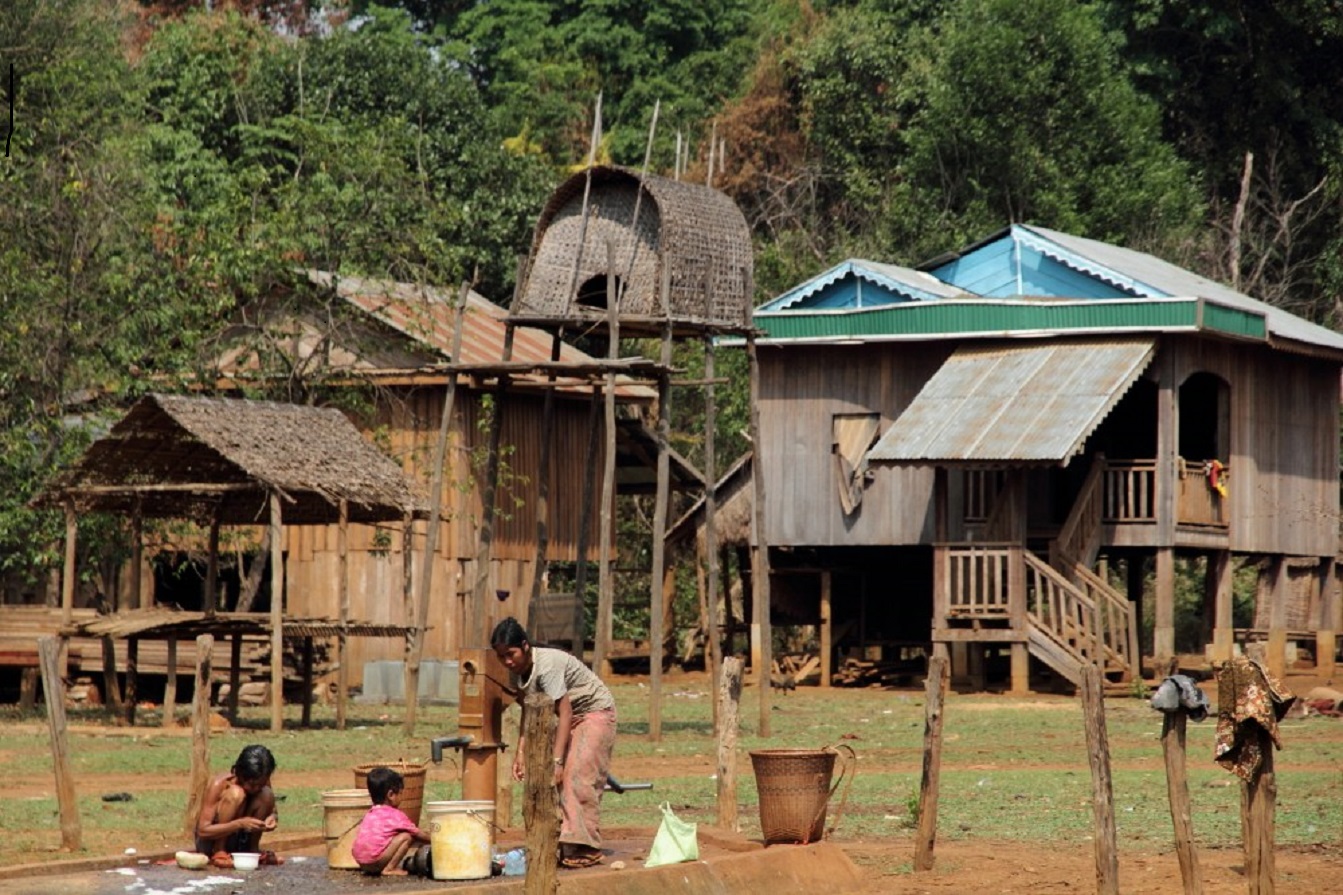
578,862
270,859
221,860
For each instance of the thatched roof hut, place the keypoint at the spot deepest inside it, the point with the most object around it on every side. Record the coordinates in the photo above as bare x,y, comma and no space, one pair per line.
183,457
692,233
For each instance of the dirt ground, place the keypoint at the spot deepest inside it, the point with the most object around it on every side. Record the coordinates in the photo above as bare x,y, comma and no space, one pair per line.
970,866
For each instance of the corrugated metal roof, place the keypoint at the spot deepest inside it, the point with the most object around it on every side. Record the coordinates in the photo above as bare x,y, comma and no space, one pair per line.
905,282
1034,402
1164,277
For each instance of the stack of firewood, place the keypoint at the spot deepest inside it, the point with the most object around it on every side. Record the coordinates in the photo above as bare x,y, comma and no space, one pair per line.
794,669
870,673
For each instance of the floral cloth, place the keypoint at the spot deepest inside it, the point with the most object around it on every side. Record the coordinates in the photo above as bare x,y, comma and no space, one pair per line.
1250,701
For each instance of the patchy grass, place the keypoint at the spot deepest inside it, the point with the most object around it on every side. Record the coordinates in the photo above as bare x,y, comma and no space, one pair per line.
1012,769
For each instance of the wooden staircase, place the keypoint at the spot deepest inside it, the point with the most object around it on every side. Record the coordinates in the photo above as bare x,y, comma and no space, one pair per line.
1067,615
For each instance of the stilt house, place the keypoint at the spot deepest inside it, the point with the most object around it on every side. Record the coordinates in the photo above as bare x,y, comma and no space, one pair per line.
965,455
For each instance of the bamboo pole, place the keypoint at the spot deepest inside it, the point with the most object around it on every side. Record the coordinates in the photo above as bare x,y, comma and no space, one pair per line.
585,525
234,676
713,647
606,592
760,555
132,678
276,617
212,566
170,685
415,649
935,691
307,682
200,734
540,812
656,584
53,690
1098,755
342,638
729,715
137,555
68,569
479,630
543,480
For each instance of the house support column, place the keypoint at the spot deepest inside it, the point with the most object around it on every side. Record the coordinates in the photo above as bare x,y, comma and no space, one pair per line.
1326,642
827,631
1016,591
1277,617
960,665
1163,629
1218,586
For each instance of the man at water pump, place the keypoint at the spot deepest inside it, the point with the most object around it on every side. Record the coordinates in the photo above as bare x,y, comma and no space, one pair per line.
584,740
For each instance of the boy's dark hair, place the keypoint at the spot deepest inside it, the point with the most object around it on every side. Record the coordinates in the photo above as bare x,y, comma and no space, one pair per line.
254,763
509,633
382,781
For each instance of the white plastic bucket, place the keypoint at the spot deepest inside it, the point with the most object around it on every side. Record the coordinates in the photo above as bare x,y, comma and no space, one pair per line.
461,838
342,811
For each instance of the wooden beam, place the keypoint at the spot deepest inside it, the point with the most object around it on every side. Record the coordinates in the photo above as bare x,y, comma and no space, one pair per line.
342,639
1102,791
307,682
200,734
68,569
53,690
585,526
729,718
656,584
482,592
1277,618
1163,629
540,812
137,558
1173,735
760,555
1326,636
1220,585
935,688
276,616
212,567
713,647
543,487
234,677
827,630
606,585
132,678
170,684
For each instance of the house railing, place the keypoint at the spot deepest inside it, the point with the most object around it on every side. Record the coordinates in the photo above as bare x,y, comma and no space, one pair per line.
1197,500
1055,605
1117,620
976,580
1080,535
1129,492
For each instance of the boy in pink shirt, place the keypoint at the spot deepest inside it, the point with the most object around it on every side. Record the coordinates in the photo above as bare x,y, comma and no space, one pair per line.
386,835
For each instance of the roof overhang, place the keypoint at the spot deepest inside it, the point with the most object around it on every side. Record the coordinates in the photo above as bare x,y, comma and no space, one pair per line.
1011,403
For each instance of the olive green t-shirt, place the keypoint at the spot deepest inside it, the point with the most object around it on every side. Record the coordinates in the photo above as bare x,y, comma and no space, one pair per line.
555,672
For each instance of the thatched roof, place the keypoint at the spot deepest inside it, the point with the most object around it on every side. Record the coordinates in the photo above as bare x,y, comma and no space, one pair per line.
180,457
695,233
733,503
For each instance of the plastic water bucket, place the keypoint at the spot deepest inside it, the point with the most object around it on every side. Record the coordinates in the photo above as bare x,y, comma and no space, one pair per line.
342,810
461,838
412,797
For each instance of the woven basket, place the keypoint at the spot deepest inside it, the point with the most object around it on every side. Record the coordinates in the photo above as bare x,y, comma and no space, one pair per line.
794,788
412,797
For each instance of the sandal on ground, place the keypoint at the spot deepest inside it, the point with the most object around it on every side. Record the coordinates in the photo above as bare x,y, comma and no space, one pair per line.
270,859
581,860
221,860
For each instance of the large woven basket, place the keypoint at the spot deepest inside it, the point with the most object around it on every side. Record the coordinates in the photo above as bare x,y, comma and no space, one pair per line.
794,788
412,797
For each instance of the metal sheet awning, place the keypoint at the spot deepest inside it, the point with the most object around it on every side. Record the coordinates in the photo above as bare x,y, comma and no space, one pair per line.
1014,403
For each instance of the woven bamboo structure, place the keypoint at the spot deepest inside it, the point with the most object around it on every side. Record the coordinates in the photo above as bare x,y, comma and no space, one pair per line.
694,233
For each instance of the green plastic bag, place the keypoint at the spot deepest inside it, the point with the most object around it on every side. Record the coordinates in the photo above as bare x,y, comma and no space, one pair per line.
675,840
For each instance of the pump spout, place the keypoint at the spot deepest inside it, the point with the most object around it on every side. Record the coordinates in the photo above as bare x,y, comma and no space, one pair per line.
437,744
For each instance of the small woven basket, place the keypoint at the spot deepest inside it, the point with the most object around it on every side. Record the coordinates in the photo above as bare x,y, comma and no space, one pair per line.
794,788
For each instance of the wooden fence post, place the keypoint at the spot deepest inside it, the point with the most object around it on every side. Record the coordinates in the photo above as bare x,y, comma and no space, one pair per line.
729,711
53,690
932,763
540,810
1173,728
200,734
1098,753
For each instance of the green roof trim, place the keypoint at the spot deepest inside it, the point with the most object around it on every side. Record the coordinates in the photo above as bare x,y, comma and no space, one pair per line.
1005,317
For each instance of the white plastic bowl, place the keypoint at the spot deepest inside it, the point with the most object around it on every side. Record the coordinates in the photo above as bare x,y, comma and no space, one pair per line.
246,860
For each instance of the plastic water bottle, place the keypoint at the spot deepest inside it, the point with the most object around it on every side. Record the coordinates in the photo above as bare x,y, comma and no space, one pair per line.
515,862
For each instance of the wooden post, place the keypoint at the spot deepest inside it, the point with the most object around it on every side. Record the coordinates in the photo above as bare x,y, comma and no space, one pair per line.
212,566
200,734
28,690
111,687
342,638
713,646
307,681
132,677
1163,629
1020,659
1326,636
276,617
415,649
1219,582
170,685
1173,725
1277,624
68,570
935,689
601,641
1098,753
481,593
656,584
540,813
729,715
53,690
941,583
585,527
543,481
1258,802
827,629
137,557
760,555
234,676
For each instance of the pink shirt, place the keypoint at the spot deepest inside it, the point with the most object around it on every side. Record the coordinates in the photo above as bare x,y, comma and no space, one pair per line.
379,825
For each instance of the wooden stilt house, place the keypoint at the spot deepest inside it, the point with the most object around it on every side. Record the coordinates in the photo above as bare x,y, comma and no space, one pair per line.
965,456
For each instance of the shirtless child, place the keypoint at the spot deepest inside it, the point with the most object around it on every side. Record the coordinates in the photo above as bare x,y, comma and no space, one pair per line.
239,806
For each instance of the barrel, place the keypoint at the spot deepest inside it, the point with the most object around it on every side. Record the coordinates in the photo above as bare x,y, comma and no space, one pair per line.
342,810
461,839
412,797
